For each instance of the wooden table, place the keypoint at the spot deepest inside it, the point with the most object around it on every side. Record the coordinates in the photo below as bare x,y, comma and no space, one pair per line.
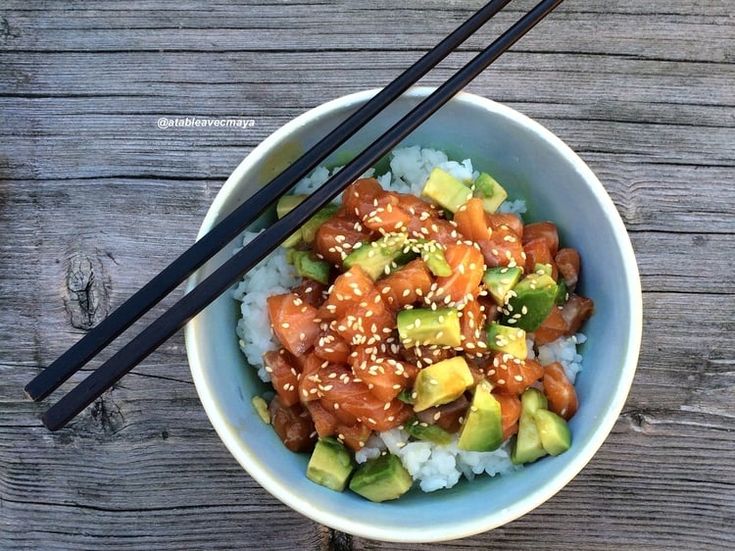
95,199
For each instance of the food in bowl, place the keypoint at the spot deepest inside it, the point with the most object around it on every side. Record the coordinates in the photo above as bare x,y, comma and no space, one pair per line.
417,332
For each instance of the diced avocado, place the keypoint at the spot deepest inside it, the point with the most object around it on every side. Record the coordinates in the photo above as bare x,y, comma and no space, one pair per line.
287,203
261,408
381,479
429,433
432,254
308,230
307,265
500,280
510,340
543,269
482,429
531,302
441,383
527,446
491,192
555,435
330,465
562,293
405,396
426,326
446,190
377,258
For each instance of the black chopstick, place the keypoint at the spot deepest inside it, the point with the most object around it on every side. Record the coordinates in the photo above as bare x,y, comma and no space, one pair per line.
221,279
166,281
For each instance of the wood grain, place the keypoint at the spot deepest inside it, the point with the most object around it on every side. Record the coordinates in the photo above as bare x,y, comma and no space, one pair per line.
94,200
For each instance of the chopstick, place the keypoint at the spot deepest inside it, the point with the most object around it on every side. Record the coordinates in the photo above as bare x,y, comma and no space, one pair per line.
223,277
167,280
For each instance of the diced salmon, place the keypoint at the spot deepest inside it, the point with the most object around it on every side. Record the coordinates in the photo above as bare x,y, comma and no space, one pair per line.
569,264
293,322
293,425
350,287
309,381
311,292
343,417
433,228
424,355
336,238
553,327
512,375
386,215
504,248
471,325
447,416
468,268
538,252
576,311
354,436
367,321
510,409
324,421
284,373
358,199
511,221
406,285
542,230
330,346
415,206
354,396
385,377
560,391
471,222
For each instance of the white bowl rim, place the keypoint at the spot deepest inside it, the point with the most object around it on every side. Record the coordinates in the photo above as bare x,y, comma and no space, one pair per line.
360,528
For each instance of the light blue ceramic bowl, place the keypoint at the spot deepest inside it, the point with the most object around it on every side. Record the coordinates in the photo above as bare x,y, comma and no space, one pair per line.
533,164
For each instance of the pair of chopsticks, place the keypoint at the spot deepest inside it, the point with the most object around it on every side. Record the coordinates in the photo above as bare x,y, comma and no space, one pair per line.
223,278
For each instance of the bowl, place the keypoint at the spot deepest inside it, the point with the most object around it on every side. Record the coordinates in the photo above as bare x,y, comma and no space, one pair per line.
533,164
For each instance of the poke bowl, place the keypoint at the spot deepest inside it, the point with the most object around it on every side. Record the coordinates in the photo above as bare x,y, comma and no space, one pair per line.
446,488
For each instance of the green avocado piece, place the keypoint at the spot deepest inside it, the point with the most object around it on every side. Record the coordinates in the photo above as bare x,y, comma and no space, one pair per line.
446,190
482,429
287,203
510,340
381,479
527,446
555,435
377,258
432,253
429,433
541,269
405,396
530,302
562,293
500,280
307,265
261,408
425,326
490,191
441,383
330,465
308,230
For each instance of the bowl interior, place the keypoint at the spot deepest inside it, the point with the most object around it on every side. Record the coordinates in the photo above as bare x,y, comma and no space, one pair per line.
533,165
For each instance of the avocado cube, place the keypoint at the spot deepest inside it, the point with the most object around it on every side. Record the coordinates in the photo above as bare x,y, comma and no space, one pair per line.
482,429
309,229
441,383
330,465
541,269
509,340
446,190
377,258
429,433
555,435
432,254
287,203
261,408
530,302
490,191
381,479
527,446
562,293
425,326
500,280
307,265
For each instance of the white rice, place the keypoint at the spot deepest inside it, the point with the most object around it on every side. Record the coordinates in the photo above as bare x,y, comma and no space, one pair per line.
433,466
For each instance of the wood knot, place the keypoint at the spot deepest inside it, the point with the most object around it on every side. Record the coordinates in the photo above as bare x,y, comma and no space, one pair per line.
87,296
